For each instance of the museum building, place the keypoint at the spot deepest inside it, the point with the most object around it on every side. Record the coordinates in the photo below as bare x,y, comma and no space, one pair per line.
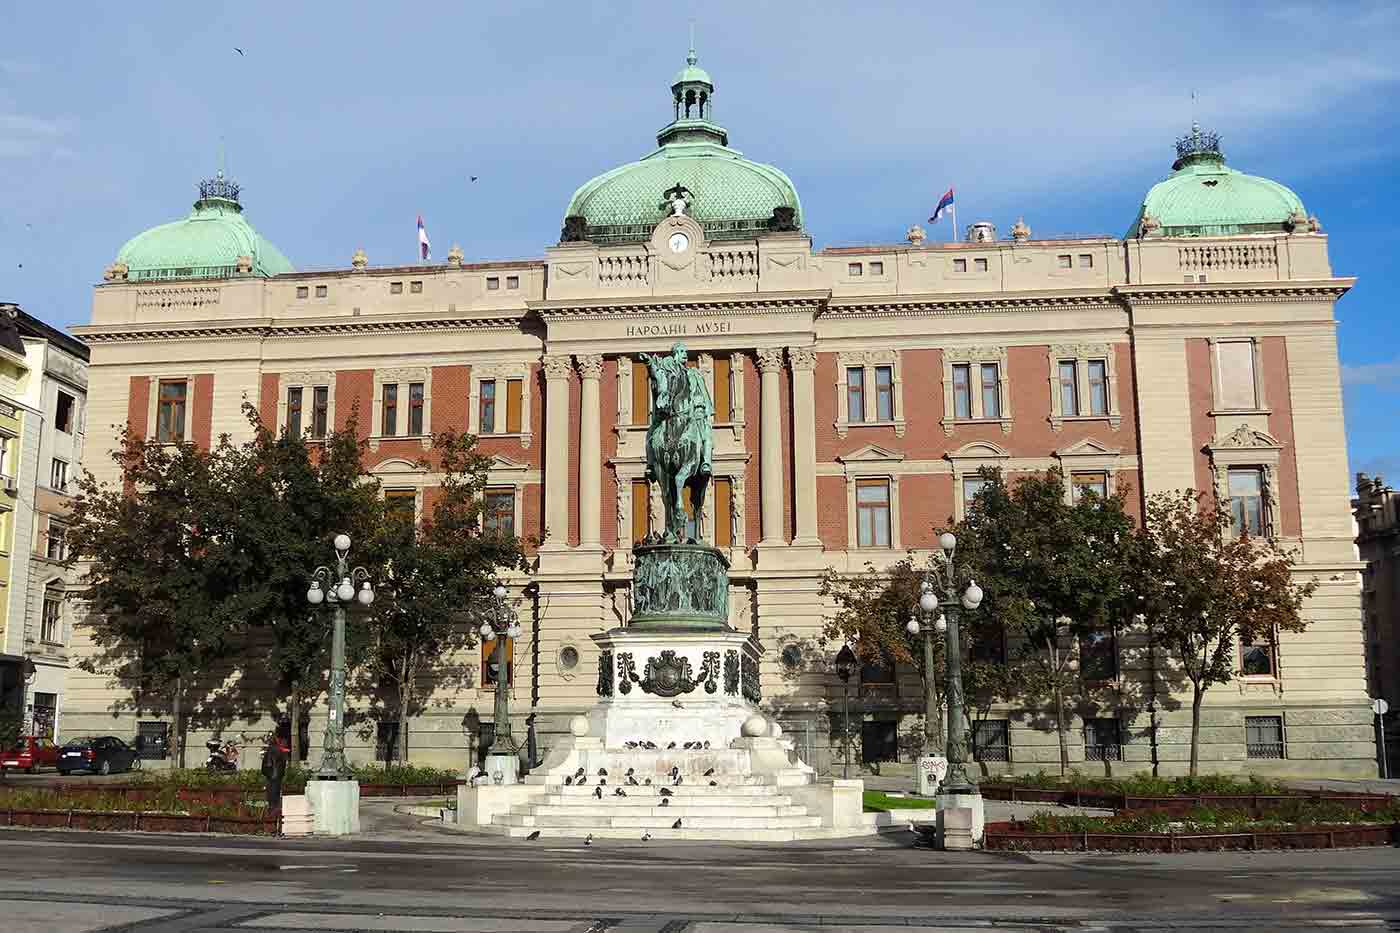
857,393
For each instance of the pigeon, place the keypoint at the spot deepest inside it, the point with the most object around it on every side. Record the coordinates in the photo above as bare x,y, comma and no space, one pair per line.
676,824
671,746
580,773
239,51
651,746
632,781
589,840
707,743
714,783
629,744
647,782
602,782
535,835
666,792
709,772
686,746
568,780
631,771
619,793
665,802
602,772
646,836
679,780
598,792
675,770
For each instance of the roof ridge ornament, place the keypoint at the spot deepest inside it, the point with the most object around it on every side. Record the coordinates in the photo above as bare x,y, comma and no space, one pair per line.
1198,145
219,188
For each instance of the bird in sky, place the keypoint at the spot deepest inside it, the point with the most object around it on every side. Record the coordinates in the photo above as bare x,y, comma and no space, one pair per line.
473,178
676,824
533,836
239,51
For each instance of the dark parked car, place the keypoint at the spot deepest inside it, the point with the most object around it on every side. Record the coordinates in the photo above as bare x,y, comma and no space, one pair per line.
102,754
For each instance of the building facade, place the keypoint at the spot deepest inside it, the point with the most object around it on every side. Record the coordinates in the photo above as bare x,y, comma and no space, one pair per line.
43,394
857,390
1377,511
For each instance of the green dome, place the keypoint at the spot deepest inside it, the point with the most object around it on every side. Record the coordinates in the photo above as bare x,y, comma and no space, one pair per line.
729,195
214,241
1204,197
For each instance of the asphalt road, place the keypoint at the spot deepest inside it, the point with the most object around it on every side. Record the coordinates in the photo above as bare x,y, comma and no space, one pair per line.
400,876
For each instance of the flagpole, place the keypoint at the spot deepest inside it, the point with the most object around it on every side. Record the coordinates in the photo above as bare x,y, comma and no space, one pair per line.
953,208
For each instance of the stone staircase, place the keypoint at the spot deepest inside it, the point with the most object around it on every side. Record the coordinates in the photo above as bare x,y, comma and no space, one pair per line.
728,812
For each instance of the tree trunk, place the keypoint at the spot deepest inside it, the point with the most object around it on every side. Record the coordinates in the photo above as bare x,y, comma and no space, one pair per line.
1197,692
294,714
177,728
405,695
1060,728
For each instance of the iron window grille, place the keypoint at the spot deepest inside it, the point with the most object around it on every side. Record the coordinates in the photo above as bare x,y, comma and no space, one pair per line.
1263,736
1103,740
991,740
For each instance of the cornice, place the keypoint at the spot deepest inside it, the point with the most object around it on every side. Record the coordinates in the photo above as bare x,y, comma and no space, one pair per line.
684,305
1236,292
269,329
893,306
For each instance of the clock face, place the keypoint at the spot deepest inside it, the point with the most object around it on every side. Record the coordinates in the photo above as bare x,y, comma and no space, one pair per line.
679,242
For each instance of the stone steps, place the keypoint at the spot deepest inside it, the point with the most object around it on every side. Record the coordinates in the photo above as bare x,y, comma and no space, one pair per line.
603,811
734,801
690,834
697,789
665,821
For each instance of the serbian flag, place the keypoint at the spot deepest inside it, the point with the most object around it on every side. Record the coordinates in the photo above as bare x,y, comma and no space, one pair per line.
944,203
425,249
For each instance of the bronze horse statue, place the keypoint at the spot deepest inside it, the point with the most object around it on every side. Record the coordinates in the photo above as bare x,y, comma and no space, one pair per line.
680,450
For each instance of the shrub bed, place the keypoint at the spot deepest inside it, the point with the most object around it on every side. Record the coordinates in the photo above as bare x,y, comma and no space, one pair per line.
166,811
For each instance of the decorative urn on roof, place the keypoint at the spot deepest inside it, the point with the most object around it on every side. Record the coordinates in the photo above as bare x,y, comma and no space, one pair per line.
359,261
1019,231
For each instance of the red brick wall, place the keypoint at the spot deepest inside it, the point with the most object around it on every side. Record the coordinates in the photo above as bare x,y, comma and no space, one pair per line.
607,398
831,511
138,402
202,418
268,400
353,388
1276,395
925,504
451,395
532,514
510,447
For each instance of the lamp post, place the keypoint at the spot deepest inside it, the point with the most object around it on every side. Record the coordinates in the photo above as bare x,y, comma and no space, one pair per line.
337,589
940,595
845,665
501,623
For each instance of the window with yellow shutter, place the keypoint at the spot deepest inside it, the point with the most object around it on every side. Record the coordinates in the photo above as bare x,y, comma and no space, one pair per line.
723,496
724,408
514,394
641,510
641,395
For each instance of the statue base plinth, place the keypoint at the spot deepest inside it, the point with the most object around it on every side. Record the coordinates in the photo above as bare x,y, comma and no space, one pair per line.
679,588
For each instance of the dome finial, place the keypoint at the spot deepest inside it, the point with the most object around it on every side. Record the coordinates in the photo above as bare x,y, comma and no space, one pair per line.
1197,146
690,58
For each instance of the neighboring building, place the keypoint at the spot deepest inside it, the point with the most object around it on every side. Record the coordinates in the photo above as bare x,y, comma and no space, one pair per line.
857,390
43,393
1377,511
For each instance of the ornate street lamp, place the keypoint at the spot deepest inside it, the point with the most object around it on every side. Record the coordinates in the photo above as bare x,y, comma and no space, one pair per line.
501,623
939,594
337,589
845,665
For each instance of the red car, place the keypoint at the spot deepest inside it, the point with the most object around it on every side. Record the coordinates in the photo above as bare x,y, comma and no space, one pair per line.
30,754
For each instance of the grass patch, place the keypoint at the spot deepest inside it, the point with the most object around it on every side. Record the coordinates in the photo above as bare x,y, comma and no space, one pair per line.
1145,785
876,802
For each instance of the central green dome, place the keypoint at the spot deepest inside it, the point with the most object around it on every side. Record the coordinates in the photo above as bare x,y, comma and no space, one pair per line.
1204,197
730,196
214,241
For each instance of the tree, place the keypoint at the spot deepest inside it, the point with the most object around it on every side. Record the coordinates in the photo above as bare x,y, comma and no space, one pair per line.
1202,589
1053,574
872,611
433,582
154,547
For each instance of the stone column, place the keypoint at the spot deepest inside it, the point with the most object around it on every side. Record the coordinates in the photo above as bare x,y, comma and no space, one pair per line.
590,453
557,370
770,437
804,444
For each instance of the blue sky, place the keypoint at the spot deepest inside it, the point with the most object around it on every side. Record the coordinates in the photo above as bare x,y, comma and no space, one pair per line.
343,121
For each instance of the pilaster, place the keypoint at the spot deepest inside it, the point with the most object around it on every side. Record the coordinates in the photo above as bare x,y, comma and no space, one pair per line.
590,452
804,442
557,370
770,433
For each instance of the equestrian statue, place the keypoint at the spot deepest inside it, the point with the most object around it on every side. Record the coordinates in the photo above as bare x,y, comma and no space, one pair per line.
680,451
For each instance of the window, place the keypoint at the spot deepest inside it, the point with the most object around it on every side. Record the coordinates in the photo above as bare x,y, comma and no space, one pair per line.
1256,657
490,665
1098,387
991,740
51,617
988,644
415,288
512,282
514,396
1069,393
57,546
1103,740
294,411
1235,375
1263,736
877,268
415,408
854,269
390,411
962,391
303,291
321,291
991,391
401,504
884,393
1247,500
487,414
4,452
641,510
493,283
170,414
320,410
641,395
396,288
1098,655
959,265
1086,260
878,672
855,394
568,658
1064,260
58,474
1081,483
723,503
63,418
724,403
979,265
873,513
499,513
971,486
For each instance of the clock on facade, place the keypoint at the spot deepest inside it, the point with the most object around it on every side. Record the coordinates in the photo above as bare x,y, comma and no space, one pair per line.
679,242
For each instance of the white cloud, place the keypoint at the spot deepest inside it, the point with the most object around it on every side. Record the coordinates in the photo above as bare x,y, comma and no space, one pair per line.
1382,375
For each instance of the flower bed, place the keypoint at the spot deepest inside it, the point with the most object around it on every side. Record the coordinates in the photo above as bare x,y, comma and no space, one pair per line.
136,820
1257,804
1006,837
